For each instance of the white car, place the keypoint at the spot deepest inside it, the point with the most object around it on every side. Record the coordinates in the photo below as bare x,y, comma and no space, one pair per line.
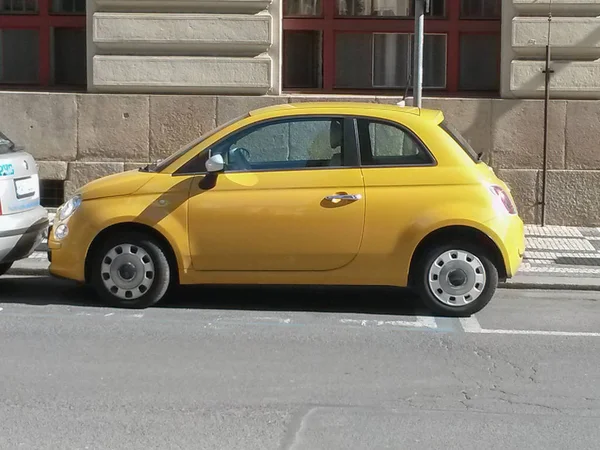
23,221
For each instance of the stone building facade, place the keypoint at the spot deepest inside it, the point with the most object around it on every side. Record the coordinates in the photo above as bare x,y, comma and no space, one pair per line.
114,84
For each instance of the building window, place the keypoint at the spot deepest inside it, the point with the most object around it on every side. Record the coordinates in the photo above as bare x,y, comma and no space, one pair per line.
368,45
302,65
18,6
479,62
480,9
68,6
42,43
18,56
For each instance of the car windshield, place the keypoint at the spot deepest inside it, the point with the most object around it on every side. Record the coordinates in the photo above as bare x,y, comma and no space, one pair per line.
164,163
6,145
460,140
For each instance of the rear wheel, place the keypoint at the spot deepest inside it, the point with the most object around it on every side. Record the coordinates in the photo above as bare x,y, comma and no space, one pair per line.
5,268
456,279
131,270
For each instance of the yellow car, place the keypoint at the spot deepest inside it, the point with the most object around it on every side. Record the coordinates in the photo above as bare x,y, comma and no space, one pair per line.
308,193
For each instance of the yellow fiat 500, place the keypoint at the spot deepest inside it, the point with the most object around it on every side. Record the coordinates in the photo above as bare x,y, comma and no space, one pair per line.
308,193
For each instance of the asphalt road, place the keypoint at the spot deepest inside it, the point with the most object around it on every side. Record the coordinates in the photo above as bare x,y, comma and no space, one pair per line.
224,368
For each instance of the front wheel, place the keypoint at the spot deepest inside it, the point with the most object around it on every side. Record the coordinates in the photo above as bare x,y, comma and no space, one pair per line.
456,279
131,270
5,268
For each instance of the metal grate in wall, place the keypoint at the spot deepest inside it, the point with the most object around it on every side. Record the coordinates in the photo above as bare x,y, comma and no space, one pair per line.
52,193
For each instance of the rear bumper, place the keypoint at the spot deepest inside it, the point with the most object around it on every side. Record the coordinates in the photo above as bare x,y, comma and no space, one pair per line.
510,232
21,234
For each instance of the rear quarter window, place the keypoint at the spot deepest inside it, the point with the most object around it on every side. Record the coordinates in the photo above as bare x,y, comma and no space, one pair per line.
461,141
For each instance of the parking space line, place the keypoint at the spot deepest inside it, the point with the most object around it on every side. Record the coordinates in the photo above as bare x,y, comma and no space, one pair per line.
427,321
471,325
420,322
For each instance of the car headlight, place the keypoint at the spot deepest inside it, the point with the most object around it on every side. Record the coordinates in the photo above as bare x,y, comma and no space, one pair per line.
69,207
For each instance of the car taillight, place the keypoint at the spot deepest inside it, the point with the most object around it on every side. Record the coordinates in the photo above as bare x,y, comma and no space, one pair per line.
0,207
504,198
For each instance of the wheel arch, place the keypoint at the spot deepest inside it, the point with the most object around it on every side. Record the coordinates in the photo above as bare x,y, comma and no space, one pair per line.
462,233
132,227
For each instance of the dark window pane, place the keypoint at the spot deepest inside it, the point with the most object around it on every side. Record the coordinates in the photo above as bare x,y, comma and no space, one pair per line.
353,60
69,61
302,7
479,62
19,55
389,145
385,8
18,6
478,9
391,55
434,61
302,60
386,60
68,6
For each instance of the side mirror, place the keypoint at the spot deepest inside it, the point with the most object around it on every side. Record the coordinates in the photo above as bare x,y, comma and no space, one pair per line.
215,164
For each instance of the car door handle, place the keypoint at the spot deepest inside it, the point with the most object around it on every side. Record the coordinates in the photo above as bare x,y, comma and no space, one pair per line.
341,197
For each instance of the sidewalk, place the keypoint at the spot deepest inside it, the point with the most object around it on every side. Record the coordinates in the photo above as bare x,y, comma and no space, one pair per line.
560,258
556,258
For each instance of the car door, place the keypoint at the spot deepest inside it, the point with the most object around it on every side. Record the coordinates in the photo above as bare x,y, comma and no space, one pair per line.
399,184
291,198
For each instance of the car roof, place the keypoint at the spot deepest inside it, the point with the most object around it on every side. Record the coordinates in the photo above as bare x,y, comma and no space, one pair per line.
350,108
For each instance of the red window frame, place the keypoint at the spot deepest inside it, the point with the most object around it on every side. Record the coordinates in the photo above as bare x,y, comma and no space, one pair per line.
452,25
43,21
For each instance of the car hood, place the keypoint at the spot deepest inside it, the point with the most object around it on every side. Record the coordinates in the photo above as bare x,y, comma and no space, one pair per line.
119,184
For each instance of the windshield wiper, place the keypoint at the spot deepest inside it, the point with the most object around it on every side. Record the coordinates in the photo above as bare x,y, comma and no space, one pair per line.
151,167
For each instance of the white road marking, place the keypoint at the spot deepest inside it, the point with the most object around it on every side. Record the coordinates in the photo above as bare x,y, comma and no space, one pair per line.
109,314
427,321
421,322
471,325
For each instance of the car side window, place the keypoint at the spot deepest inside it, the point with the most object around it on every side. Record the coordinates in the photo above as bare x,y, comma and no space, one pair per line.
385,144
285,144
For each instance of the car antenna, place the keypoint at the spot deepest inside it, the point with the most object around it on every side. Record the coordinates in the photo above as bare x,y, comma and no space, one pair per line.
402,102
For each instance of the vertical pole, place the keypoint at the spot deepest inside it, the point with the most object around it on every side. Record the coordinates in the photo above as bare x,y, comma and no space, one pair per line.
418,53
547,73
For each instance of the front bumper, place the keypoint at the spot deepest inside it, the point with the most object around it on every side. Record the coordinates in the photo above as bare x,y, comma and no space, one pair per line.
67,257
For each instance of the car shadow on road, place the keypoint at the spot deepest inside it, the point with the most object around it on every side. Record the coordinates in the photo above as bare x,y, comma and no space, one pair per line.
42,291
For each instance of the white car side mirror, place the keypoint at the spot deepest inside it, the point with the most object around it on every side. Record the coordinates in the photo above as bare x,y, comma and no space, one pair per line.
215,164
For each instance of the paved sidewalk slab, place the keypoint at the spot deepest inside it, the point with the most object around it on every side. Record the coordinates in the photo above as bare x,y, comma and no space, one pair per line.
559,253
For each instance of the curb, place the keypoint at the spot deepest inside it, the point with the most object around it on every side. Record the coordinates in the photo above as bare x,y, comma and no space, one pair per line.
548,286
550,282
30,267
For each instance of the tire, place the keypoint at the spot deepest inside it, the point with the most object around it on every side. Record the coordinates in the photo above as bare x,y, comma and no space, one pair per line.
456,279
131,270
5,268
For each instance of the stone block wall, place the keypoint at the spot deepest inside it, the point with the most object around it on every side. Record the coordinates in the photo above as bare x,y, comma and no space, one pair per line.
184,46
80,137
575,48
